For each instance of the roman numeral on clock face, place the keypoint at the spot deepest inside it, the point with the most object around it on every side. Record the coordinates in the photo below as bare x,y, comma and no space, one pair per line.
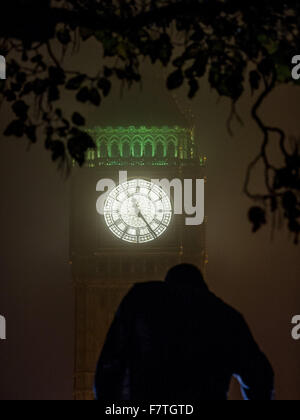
125,232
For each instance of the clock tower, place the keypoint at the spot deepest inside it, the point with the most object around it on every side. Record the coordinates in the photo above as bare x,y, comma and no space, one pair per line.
138,238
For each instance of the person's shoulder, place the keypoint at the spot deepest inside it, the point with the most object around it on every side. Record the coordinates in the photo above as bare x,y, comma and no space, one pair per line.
145,293
226,309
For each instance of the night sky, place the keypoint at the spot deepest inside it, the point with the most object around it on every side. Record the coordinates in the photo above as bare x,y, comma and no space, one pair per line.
257,275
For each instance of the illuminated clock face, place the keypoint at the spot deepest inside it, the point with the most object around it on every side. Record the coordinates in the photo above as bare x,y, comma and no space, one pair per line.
138,211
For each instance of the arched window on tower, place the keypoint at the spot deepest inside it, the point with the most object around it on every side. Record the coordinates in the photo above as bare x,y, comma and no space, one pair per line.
137,150
126,150
91,155
160,151
171,151
115,151
103,150
148,150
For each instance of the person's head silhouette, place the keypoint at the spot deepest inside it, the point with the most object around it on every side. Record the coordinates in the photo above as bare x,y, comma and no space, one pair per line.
186,275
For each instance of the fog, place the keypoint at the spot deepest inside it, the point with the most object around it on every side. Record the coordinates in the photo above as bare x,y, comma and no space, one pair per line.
253,272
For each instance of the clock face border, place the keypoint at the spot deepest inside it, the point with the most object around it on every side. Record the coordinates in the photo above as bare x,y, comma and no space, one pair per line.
138,211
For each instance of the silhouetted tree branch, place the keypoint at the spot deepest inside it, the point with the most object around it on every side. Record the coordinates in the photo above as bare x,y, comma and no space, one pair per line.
237,44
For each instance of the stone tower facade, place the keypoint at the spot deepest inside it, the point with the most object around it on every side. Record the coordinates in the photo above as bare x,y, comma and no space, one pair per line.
105,267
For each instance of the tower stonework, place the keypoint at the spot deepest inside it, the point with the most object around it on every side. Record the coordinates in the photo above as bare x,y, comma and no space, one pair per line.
104,267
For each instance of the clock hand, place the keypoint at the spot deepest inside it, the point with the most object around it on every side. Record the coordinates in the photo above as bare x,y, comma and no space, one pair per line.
149,227
135,205
140,214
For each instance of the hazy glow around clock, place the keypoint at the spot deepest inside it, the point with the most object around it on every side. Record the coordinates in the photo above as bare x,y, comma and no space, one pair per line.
138,211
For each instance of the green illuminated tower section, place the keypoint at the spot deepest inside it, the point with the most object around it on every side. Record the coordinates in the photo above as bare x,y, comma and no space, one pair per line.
104,266
144,146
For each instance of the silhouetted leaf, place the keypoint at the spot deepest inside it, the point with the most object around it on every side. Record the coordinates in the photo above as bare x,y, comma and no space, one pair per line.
57,75
274,204
289,201
12,68
53,93
228,83
255,79
40,86
179,62
175,80
37,59
10,95
110,44
21,77
58,112
107,72
294,226
283,73
164,48
15,128
200,64
83,95
20,108
16,87
94,97
78,119
78,146
28,88
198,35
266,66
194,87
30,132
57,148
64,36
105,85
86,33
76,82
257,217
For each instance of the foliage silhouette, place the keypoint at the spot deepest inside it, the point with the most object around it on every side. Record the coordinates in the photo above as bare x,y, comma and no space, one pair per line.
238,44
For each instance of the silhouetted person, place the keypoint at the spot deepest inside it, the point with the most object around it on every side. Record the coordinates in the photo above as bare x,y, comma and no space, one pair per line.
177,342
